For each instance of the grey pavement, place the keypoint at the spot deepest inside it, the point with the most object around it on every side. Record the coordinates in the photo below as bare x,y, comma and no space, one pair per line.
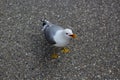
25,54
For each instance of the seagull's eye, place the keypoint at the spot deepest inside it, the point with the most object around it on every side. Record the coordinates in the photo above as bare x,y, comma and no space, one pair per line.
66,33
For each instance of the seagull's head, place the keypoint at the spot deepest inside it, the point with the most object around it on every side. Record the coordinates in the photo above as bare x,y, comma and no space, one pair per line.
69,33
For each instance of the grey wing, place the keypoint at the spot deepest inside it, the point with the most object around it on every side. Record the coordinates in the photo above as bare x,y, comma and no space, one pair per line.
50,31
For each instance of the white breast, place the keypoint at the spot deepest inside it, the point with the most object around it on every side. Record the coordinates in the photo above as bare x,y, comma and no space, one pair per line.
60,39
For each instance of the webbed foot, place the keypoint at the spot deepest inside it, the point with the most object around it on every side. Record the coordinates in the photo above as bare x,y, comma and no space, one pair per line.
65,50
54,56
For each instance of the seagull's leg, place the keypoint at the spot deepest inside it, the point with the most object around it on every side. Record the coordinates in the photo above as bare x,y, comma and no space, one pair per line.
54,55
65,50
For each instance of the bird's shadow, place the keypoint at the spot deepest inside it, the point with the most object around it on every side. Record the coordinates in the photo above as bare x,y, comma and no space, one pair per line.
41,49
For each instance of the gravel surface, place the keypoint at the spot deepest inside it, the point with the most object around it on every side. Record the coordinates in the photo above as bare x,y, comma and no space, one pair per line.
25,54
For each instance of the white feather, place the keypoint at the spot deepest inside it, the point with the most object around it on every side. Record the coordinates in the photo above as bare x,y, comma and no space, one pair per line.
61,39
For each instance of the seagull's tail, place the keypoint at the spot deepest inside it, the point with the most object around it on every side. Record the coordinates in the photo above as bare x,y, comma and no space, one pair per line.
44,24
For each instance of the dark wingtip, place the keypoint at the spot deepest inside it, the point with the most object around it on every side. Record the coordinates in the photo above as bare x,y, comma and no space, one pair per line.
44,22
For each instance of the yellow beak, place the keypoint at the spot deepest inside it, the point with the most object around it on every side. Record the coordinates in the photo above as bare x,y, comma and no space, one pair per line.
73,35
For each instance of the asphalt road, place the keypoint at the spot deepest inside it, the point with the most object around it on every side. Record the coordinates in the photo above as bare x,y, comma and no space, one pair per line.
25,54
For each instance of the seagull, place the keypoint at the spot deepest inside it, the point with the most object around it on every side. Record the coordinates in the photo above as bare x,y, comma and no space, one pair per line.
57,35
